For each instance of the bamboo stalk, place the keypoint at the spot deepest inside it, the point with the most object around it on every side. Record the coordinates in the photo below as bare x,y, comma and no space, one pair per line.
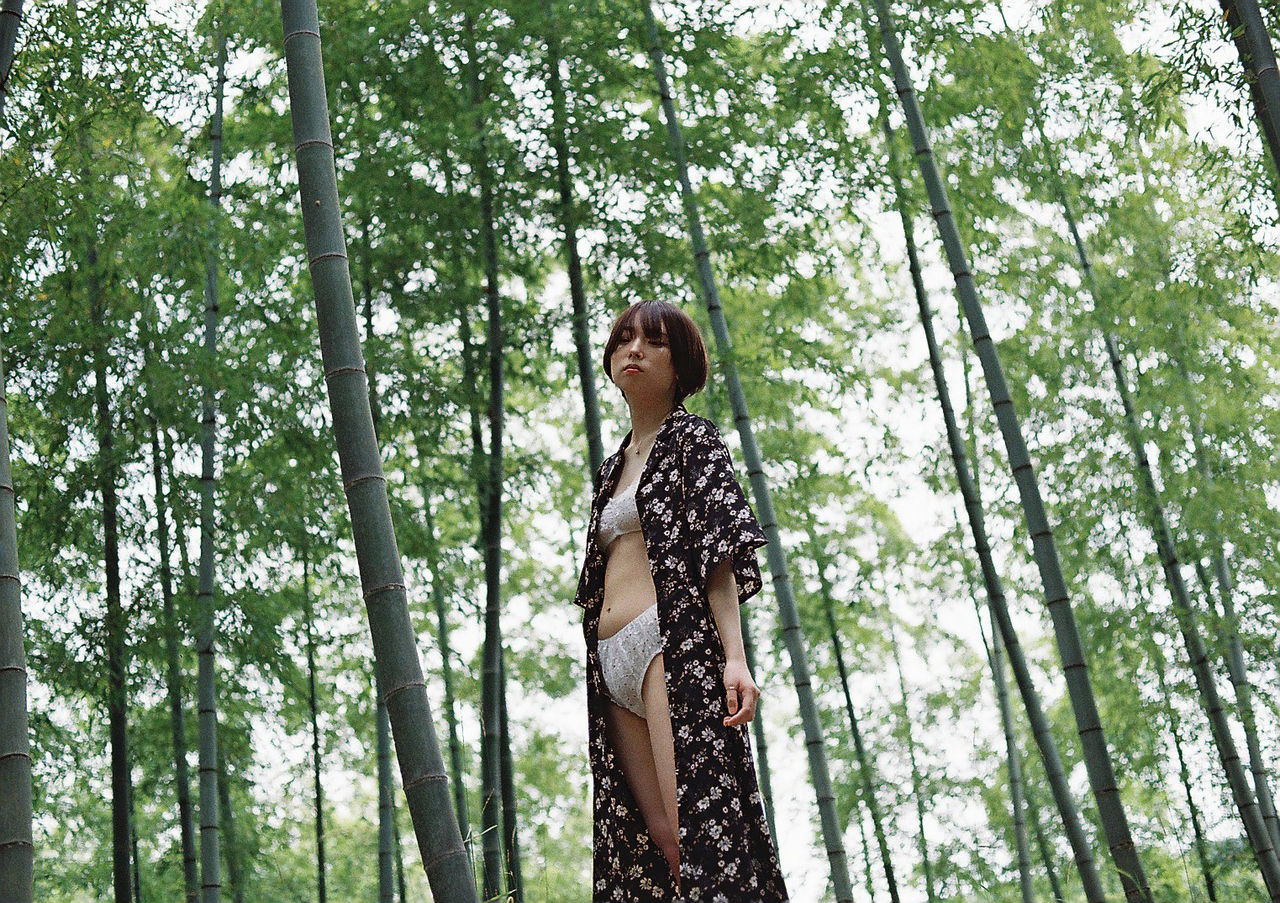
382,578
777,558
1102,777
210,865
569,223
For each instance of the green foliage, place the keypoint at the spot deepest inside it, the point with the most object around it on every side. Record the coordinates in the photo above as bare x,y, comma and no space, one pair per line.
781,120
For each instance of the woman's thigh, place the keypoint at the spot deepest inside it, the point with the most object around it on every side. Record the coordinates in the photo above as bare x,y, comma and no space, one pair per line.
630,737
658,721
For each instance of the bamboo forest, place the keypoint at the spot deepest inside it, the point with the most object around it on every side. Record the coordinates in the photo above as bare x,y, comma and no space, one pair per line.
302,310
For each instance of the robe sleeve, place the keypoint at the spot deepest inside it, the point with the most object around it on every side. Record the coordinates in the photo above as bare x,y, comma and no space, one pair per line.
720,521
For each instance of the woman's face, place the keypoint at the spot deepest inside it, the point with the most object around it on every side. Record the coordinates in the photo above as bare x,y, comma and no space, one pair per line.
642,367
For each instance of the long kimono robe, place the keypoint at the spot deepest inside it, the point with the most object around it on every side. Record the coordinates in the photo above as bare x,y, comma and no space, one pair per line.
693,515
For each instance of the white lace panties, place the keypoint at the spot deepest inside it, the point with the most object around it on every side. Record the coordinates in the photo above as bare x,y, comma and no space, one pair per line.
625,657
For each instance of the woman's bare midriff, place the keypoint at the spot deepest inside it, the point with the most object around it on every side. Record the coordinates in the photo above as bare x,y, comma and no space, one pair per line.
628,583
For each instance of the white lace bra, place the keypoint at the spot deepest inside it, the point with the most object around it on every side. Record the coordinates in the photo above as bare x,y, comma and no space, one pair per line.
620,515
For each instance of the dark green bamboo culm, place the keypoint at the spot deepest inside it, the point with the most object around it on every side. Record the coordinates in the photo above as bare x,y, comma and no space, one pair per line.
493,761
763,775
1073,828
309,615
777,559
757,727
1270,139
917,790
1246,801
1244,19
1184,774
559,136
381,575
116,624
1013,760
868,873
1102,777
173,666
227,828
17,851
510,835
1230,625
382,724
210,865
866,767
386,799
10,19
440,604
1260,835
1056,893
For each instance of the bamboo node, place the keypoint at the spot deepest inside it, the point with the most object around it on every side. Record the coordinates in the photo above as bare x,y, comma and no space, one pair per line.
426,779
409,686
384,587
348,485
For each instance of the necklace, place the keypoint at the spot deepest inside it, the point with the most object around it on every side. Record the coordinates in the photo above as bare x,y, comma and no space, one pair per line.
636,444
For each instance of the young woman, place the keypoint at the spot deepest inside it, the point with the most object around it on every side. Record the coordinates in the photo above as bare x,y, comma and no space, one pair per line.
670,554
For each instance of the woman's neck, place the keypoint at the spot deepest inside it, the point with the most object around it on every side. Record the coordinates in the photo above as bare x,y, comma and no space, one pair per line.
646,420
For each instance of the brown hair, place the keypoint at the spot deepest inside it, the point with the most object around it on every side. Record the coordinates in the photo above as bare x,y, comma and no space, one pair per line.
688,351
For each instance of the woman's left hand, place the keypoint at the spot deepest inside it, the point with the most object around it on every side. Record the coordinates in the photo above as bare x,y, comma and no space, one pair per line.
741,693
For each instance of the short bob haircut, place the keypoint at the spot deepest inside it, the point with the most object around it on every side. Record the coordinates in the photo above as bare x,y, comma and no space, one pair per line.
688,351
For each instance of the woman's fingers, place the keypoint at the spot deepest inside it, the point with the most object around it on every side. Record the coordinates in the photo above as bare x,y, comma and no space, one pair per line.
742,704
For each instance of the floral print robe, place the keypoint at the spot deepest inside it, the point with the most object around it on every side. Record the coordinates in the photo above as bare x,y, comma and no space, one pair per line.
693,515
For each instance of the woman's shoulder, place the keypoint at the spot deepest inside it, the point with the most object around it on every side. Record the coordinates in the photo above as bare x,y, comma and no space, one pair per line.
689,428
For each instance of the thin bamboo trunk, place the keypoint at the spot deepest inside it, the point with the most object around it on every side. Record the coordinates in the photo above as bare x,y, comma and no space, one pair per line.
117,702
916,790
777,558
1245,800
1184,775
446,656
317,786
395,832
1102,777
17,849
210,876
386,801
1230,626
175,508
382,725
1043,845
763,777
230,849
515,880
1013,760
491,513
866,769
381,576
994,586
133,847
173,670
559,137
757,727
1163,535
867,871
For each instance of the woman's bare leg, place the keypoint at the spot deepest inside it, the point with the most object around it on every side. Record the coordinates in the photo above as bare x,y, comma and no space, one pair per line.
629,737
658,719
